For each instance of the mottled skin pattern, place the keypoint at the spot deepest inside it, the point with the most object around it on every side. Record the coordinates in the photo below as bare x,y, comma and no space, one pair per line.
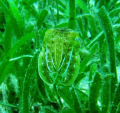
59,59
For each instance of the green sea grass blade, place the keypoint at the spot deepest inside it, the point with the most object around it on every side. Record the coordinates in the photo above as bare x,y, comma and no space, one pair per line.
48,109
96,38
41,88
62,25
4,8
20,57
77,103
81,26
83,64
14,26
8,36
93,70
118,108
79,98
114,11
106,94
20,42
41,17
57,10
44,3
94,93
72,15
68,110
30,2
62,4
9,105
102,49
17,16
72,99
15,11
116,100
61,9
10,54
79,78
50,92
64,92
31,10
82,5
92,24
27,83
107,26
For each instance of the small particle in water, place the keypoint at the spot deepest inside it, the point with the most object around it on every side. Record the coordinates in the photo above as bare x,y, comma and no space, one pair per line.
77,39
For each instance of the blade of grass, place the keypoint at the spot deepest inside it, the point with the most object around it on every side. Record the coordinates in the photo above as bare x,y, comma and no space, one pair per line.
12,19
92,24
93,70
11,52
41,88
63,92
8,105
72,15
79,78
77,101
81,26
62,25
22,56
30,2
83,64
95,39
85,26
114,11
62,3
44,3
27,83
41,18
116,100
17,16
14,10
94,93
20,42
57,11
4,7
90,20
78,97
118,108
31,9
107,26
51,93
53,15
106,94
8,36
103,54
82,5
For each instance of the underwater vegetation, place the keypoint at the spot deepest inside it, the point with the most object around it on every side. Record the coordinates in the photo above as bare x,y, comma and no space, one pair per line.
59,56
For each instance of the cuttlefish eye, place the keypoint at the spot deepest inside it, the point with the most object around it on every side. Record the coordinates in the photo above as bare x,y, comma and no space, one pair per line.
59,58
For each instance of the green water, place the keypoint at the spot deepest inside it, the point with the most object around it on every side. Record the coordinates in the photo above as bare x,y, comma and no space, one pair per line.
59,56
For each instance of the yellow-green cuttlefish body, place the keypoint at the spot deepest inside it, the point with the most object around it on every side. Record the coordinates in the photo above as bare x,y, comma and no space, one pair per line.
59,59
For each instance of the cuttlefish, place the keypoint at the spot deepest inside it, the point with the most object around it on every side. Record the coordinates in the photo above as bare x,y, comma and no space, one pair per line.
59,59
